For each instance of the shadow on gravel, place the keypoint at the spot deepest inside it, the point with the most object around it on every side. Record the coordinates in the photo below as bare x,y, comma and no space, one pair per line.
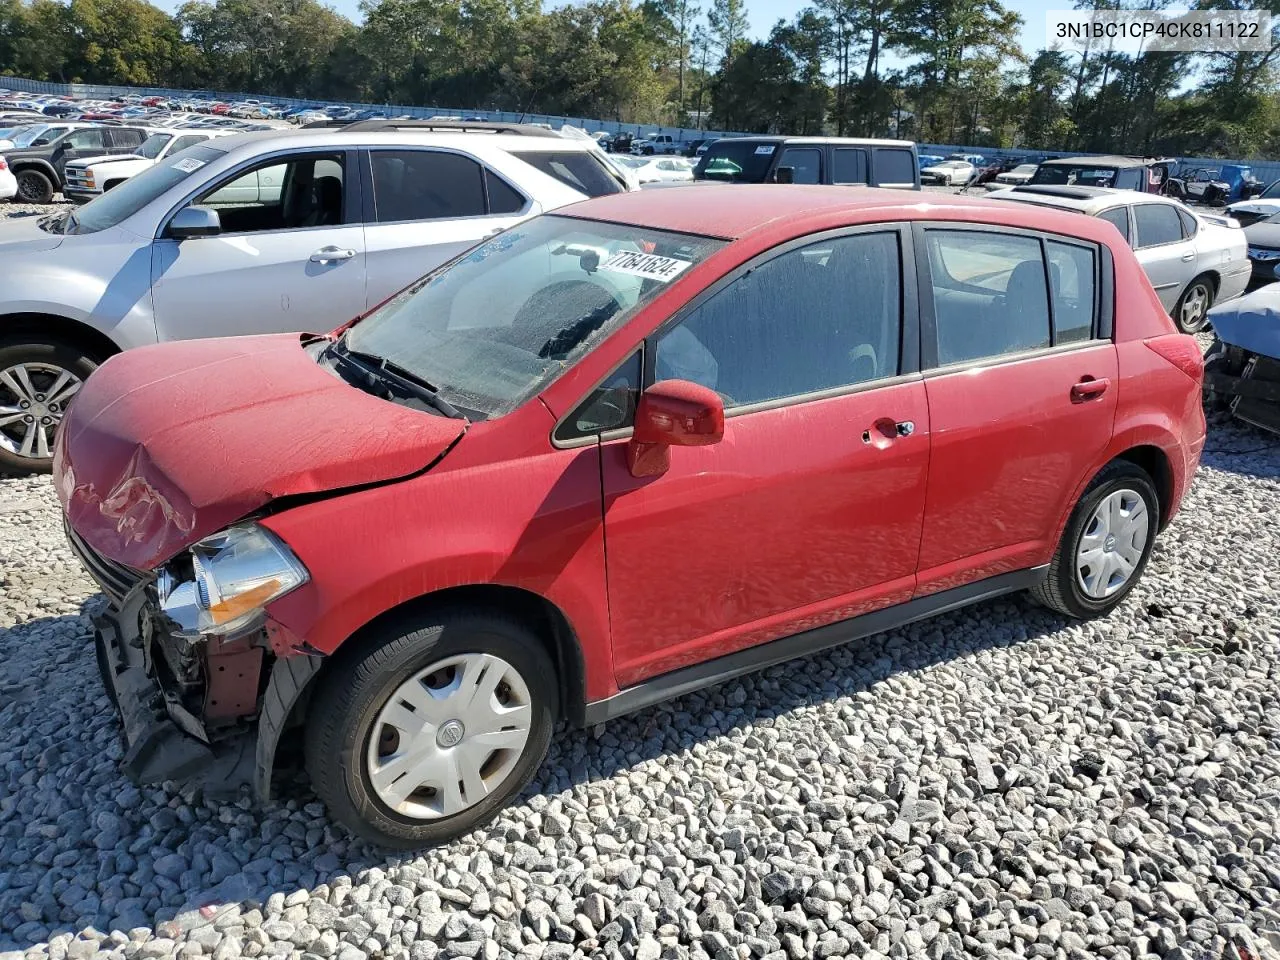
82,847
1237,447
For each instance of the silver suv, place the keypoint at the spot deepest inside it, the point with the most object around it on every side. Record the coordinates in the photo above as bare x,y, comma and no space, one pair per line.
264,232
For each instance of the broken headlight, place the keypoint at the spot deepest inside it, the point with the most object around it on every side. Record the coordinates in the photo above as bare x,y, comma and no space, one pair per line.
234,574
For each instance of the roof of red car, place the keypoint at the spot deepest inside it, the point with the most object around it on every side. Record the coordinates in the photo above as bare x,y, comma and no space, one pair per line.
732,211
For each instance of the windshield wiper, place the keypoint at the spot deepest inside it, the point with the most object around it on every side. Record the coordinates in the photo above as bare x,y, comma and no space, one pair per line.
53,222
403,378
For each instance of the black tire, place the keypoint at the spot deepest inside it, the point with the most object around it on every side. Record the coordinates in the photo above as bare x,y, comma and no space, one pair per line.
1199,292
357,686
15,352
34,187
1061,590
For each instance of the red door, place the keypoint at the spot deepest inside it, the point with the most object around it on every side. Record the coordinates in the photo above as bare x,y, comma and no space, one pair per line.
791,522
1019,416
810,508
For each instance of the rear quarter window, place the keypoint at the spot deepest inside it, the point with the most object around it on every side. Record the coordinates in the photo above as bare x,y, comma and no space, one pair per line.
894,167
574,168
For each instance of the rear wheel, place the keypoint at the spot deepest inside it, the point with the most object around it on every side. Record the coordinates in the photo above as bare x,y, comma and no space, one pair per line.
431,728
34,187
37,381
1192,309
1106,544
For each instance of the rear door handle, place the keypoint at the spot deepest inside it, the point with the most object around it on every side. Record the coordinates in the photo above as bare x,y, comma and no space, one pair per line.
330,254
1089,389
1188,257
884,431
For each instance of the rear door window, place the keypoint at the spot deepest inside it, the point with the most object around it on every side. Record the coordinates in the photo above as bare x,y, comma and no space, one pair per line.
990,296
426,185
848,165
894,167
805,161
1157,224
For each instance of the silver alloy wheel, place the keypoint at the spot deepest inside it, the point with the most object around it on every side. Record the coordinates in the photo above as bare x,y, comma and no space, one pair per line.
449,736
1112,543
1195,306
33,398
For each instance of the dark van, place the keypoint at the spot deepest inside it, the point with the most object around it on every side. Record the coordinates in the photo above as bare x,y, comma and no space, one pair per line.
876,163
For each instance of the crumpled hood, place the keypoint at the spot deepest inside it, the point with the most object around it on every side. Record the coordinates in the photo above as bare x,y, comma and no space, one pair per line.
1254,206
23,234
1263,234
165,445
1251,322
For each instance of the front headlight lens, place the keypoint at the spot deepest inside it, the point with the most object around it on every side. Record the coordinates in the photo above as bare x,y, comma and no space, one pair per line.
235,574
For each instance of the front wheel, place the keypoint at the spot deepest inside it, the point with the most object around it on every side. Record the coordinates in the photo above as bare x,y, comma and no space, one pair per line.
34,187
1106,544
428,729
1192,310
37,381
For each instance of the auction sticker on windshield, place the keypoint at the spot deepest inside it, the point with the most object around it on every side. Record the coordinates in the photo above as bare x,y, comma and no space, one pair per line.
188,164
647,265
765,150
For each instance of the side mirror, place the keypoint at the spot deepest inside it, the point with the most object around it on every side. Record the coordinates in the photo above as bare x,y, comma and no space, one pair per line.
672,413
194,221
784,175
41,142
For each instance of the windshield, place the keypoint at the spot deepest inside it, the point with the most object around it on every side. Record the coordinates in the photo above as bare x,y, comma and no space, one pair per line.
1271,193
494,327
117,205
1075,175
739,161
152,146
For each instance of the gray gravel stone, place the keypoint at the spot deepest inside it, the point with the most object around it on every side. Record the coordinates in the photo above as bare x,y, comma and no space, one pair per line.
994,783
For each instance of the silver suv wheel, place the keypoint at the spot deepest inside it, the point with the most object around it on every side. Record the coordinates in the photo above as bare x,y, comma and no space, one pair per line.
33,398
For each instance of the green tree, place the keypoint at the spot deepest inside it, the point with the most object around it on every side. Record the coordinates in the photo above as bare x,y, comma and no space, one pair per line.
728,25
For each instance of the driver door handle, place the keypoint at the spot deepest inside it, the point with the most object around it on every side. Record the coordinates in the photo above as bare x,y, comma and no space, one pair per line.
331,254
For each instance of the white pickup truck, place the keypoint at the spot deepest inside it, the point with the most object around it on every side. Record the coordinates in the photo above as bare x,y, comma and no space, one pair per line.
93,177
656,143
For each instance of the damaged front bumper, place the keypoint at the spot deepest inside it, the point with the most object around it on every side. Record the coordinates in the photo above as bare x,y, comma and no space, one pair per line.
1247,384
208,712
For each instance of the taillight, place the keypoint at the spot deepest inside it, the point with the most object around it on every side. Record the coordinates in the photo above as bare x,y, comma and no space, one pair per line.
4,165
1182,351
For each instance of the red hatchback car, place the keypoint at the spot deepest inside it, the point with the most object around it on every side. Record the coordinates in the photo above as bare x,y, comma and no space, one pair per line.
612,455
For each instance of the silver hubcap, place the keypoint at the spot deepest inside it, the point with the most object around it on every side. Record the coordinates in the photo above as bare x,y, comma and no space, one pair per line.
1195,306
1112,545
449,736
33,398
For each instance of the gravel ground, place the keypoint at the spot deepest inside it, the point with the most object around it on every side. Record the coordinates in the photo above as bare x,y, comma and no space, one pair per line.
994,783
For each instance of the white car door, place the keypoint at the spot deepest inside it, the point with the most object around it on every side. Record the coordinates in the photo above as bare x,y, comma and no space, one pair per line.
428,206
1168,258
290,255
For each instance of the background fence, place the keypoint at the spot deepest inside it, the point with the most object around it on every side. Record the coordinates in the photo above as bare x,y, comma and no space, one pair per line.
1265,170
